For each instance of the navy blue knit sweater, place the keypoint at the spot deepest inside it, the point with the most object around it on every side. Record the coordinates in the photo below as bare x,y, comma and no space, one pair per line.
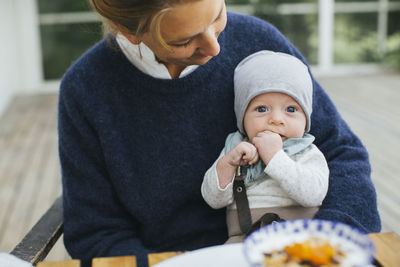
134,150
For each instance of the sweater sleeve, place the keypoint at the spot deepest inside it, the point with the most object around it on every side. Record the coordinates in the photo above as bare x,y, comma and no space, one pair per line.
351,196
305,179
213,194
95,222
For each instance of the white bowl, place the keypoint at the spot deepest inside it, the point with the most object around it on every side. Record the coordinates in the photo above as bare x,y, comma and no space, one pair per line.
358,248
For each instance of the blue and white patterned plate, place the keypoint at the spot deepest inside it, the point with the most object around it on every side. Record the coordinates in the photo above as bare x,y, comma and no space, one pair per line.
358,248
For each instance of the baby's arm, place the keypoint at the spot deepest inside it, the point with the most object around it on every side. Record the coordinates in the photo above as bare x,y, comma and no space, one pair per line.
304,180
217,183
268,144
242,154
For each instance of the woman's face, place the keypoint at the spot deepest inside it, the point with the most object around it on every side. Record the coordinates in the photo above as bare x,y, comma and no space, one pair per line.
191,32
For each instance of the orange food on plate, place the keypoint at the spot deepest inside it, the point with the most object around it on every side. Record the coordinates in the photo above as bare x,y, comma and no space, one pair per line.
312,252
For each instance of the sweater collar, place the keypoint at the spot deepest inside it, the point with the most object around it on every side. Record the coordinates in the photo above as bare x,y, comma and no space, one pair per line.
143,58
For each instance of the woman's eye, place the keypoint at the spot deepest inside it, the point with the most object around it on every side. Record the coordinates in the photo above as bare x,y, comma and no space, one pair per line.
262,109
184,44
291,109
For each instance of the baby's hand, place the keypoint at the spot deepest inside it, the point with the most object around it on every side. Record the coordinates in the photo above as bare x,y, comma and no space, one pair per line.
267,144
242,154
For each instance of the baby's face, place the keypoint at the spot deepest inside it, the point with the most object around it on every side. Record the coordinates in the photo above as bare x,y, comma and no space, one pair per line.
275,112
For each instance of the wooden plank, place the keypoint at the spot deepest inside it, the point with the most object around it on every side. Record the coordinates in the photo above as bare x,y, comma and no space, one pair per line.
387,248
25,147
122,261
34,176
48,169
28,172
11,134
154,258
70,263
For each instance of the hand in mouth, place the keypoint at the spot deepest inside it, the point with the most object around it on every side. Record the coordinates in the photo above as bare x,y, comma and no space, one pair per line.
281,135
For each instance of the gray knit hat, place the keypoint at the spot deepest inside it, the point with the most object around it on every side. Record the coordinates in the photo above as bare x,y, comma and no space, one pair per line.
268,71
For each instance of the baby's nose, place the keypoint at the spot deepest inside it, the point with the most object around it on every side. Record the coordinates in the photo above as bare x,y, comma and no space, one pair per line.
276,118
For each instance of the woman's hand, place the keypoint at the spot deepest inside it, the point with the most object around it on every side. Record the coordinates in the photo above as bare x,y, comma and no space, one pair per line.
267,144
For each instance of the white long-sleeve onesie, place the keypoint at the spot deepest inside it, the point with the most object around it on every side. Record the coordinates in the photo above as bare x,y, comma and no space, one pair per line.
300,179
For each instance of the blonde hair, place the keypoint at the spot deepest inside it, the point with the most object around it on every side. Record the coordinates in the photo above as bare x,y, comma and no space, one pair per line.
135,17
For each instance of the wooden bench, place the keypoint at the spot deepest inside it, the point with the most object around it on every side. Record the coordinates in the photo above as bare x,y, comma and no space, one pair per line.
38,242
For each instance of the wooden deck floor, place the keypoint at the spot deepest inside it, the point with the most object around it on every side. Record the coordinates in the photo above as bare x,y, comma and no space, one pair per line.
29,168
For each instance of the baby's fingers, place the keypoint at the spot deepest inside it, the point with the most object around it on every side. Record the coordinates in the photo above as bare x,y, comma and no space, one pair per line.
251,155
254,159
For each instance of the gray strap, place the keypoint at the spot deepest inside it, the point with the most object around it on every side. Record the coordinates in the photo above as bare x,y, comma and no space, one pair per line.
240,196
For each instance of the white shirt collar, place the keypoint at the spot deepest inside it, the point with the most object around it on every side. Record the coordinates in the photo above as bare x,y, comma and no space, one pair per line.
143,58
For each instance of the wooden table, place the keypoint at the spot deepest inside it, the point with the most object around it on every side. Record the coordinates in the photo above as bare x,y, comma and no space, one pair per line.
387,248
387,253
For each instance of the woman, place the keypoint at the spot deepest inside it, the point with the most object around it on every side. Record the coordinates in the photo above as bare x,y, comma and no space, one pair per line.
143,114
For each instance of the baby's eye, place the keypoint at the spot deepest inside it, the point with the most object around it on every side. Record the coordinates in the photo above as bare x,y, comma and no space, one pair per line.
291,109
262,109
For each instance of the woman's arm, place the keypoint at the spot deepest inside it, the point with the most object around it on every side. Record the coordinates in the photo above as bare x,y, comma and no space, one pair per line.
95,223
351,195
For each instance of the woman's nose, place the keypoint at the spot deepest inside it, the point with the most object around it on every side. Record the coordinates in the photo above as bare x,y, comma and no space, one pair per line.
210,45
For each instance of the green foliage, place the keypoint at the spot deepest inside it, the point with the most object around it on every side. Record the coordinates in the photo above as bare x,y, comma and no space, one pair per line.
62,44
55,6
355,38
300,30
393,22
392,55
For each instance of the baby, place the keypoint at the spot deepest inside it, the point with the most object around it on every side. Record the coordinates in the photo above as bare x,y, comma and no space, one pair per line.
287,175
